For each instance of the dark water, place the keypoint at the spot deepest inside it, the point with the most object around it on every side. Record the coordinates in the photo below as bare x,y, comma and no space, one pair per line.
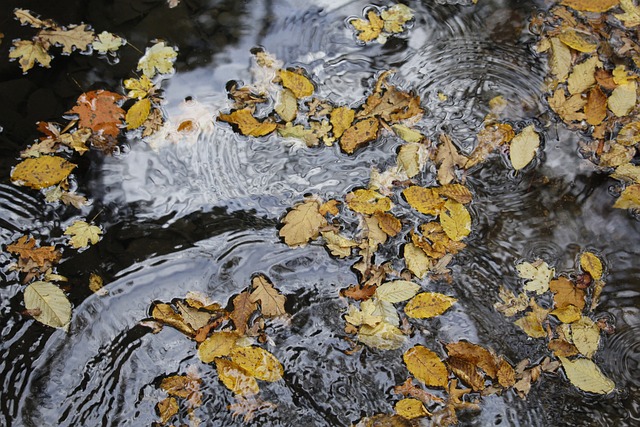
202,215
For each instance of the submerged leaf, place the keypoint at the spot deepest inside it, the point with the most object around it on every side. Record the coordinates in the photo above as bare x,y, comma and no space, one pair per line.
383,336
48,304
235,378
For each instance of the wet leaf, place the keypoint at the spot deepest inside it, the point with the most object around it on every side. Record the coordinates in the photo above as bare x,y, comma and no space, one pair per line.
384,309
26,17
586,375
165,314
567,109
397,291
41,172
457,192
308,135
623,99
287,106
358,292
359,134
448,159
591,264
382,336
247,124
631,16
567,314
300,86
531,323
523,147
409,159
455,220
585,335
467,372
367,201
578,40
560,59
49,302
374,235
426,305
596,107
218,344
566,293
416,260
476,355
43,257
629,134
107,42
78,37
395,18
424,200
627,172
426,366
139,88
411,408
302,223
539,275
583,75
368,29
363,316
29,52
629,198
183,386
257,362
591,5
511,304
158,59
243,308
341,119
408,134
194,317
388,223
99,111
339,245
489,139
83,234
271,300
96,284
390,103
235,378
138,113
167,408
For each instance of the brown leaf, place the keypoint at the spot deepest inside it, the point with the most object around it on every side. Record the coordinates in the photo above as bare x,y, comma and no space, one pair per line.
166,315
467,372
25,247
271,300
359,134
99,111
566,293
247,124
567,109
390,104
243,308
76,36
388,223
476,355
596,107
359,292
591,5
457,192
506,374
409,389
330,206
300,85
489,139
448,158
167,408
184,386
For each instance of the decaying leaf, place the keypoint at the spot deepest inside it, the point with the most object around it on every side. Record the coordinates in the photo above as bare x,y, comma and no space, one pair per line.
341,120
158,59
396,17
29,52
539,275
183,386
586,375
531,323
302,223
578,40
99,111
567,109
167,408
367,201
192,316
383,336
257,362
83,234
560,59
511,304
448,159
48,304
359,134
596,108
426,305
165,314
585,335
96,284
339,245
270,299
247,124
583,75
235,378
41,172
567,293
243,308
523,147
426,366
287,106
218,344
411,408
631,15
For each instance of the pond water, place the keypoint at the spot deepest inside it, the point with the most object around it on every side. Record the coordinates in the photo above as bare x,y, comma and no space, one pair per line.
203,214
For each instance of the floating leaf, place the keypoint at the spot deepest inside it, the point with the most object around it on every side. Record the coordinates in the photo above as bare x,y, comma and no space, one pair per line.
167,408
82,234
583,75
48,304
631,15
243,308
586,375
107,42
287,106
235,378
629,198
181,385
41,172
424,200
591,5
26,17
341,120
139,88
426,305
271,300
382,336
159,58
302,223
448,158
566,293
397,291
29,53
623,99
567,109
99,111
247,124
408,134
367,201
531,323
138,113
257,362
582,42
165,314
359,134
629,134
596,107
426,366
455,220
96,284
194,317
297,83
523,147
77,37
411,408
560,59
409,159
585,335
370,28
339,245
218,344
384,309
511,304
416,260
591,264
395,18
539,275
567,314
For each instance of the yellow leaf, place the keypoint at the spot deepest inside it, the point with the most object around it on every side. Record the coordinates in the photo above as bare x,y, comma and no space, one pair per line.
158,58
591,264
411,408
364,316
287,106
426,366
582,42
41,172
629,198
407,133
567,314
82,234
194,317
631,15
409,159
426,305
539,275
341,119
339,245
629,134
29,53
591,5
586,375
374,233
257,362
235,378
26,18
138,113
368,30
108,42
511,304
271,300
396,17
359,134
416,260
457,192
96,283
523,147
367,201
166,315
219,344
531,323
138,88
627,172
456,220
247,124
560,59
76,36
167,408
567,109
302,223
623,99
585,334
583,75
424,200
297,83
448,158
48,304
396,291
383,336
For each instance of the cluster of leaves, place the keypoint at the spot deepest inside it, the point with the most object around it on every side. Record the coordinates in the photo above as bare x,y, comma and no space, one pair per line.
71,38
560,313
380,23
225,338
593,61
100,121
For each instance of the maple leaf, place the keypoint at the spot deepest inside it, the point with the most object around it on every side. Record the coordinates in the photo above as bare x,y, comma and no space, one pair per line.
75,37
368,29
396,17
159,58
29,53
302,223
26,17
33,260
99,111
107,42
82,234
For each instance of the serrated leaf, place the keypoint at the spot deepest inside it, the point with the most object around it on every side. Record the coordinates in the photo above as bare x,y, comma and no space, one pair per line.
368,29
138,113
48,304
257,362
30,52
78,37
523,147
299,85
235,378
82,234
359,134
158,59
384,309
586,375
591,264
107,42
455,220
218,344
411,408
629,198
426,305
539,275
302,223
397,291
560,59
583,75
426,366
41,172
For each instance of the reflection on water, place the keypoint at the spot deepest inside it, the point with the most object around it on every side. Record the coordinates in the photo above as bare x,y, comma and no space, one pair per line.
202,215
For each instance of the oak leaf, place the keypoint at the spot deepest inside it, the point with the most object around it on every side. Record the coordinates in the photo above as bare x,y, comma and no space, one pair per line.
26,17
77,37
29,53
270,299
302,223
43,256
159,58
426,366
243,308
396,17
83,234
390,103
426,305
370,28
48,304
448,159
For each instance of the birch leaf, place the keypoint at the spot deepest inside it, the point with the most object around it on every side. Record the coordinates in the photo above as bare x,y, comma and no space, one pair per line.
235,378
586,375
623,99
583,75
416,260
397,291
455,220
48,304
424,200
257,362
287,106
426,366
426,305
586,336
523,147
382,336
560,59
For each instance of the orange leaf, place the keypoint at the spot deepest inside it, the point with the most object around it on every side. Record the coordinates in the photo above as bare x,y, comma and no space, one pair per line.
99,111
